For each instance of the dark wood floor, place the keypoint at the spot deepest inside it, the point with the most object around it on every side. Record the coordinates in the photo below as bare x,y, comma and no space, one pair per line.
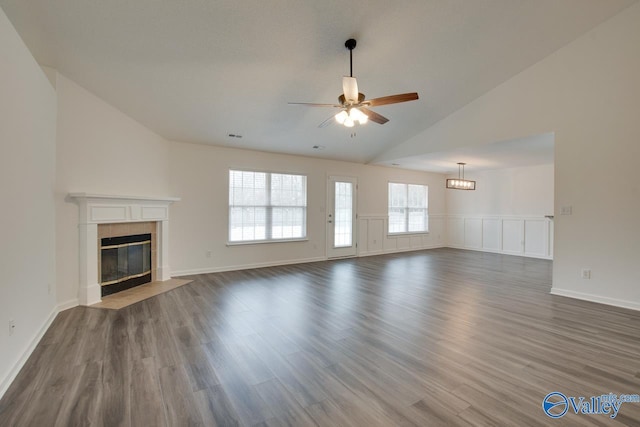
438,337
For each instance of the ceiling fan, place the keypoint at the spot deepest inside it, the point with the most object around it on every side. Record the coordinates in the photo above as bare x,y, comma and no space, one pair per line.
353,105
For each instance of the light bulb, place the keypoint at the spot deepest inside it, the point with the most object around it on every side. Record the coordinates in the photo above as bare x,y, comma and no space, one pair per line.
348,122
357,115
341,116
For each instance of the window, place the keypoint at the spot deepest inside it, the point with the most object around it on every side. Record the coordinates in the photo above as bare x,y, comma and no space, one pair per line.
267,206
408,208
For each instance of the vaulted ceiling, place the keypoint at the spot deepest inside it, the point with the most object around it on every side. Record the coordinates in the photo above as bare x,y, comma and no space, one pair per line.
199,70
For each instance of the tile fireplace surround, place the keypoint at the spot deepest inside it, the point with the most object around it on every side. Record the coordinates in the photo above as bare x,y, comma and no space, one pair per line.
113,209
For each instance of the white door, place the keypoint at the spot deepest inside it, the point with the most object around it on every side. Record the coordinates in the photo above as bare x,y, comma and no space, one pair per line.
341,216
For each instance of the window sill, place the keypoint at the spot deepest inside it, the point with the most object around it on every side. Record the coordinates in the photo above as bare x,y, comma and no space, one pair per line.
262,242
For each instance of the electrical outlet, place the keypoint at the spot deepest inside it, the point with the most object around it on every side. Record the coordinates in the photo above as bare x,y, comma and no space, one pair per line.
12,326
566,210
586,273
49,287
207,254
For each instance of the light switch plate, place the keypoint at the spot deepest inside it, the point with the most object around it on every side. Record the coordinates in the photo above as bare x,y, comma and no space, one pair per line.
565,210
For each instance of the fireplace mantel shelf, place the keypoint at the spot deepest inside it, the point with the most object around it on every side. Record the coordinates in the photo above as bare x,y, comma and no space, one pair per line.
122,197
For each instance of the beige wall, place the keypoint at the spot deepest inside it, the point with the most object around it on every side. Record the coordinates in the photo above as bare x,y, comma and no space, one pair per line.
199,222
524,191
99,150
588,94
27,168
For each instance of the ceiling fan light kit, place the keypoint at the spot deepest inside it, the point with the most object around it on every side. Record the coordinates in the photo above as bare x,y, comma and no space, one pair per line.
353,106
460,183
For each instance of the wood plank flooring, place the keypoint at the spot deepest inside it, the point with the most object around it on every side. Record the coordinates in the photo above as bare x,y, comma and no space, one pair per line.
429,338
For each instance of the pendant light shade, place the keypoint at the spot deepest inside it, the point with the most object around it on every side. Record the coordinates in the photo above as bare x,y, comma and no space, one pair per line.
460,183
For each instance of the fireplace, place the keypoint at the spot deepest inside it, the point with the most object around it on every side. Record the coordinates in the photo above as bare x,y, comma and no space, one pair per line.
110,216
125,262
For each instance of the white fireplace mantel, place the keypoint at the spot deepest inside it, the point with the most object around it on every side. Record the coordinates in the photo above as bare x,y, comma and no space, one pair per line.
110,209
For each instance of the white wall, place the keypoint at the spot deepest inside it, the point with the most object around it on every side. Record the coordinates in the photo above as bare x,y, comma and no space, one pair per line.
588,94
99,150
506,212
27,170
513,191
199,222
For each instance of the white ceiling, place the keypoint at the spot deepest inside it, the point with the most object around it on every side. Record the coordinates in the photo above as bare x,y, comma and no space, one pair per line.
199,70
528,151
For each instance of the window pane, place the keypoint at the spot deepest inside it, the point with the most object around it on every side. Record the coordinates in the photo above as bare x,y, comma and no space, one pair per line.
288,190
408,208
397,195
253,197
288,223
417,219
417,196
397,220
342,230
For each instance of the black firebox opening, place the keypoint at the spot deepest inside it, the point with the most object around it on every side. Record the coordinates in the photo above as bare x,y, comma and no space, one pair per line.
125,262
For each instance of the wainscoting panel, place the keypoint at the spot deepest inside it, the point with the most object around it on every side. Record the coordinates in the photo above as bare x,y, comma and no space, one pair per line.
473,233
491,234
530,236
537,235
513,236
374,236
374,240
455,232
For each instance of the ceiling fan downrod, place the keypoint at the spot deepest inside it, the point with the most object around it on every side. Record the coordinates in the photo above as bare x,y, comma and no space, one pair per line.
350,44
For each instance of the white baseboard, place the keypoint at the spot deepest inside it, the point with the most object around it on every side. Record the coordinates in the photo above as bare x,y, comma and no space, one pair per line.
206,270
596,298
13,373
68,304
493,251
394,251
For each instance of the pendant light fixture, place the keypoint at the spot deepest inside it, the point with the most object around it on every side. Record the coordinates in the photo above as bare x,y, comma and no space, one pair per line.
460,183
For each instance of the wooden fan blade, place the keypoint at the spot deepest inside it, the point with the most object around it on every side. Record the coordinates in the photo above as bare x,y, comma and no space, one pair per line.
312,104
392,99
373,116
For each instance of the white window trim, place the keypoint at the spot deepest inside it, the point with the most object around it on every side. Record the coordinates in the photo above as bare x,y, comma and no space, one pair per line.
407,233
268,195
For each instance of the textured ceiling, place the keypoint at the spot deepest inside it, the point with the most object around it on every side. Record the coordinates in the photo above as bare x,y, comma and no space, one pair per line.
199,70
